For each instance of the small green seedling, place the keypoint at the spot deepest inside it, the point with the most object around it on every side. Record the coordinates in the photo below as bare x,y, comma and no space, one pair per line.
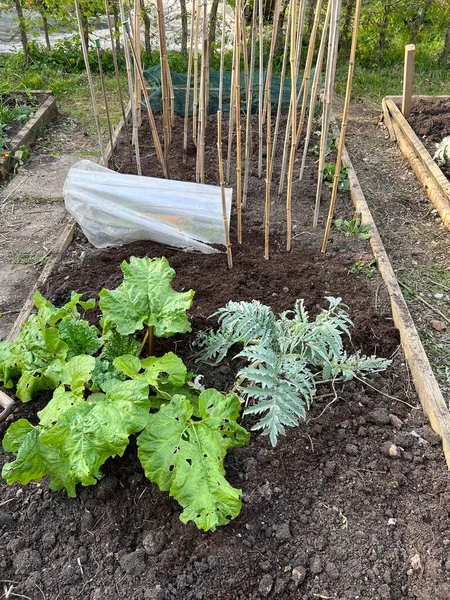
330,146
353,227
365,267
329,171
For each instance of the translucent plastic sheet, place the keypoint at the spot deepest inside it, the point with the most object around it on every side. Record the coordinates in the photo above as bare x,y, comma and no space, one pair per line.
115,209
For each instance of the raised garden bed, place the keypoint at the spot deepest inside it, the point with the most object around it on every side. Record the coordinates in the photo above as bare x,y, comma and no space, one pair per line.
22,116
416,139
329,513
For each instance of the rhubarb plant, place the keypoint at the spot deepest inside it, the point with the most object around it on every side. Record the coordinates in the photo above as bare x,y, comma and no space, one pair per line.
104,391
287,357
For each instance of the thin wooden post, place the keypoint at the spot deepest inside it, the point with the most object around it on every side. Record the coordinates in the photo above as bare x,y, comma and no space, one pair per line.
137,41
273,41
222,57
195,97
222,190
200,176
237,103
408,74
105,100
164,79
91,83
351,68
130,86
315,89
329,87
261,78
188,86
282,80
248,125
268,177
117,75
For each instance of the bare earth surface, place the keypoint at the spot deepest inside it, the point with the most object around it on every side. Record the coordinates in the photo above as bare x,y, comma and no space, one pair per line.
330,513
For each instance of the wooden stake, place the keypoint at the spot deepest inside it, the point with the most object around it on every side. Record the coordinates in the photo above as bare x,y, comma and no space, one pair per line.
273,41
231,115
119,85
308,65
348,92
222,58
295,60
408,73
188,86
164,79
237,103
130,86
203,98
315,88
91,83
222,190
329,86
195,99
282,80
248,125
105,100
261,79
137,42
151,118
268,177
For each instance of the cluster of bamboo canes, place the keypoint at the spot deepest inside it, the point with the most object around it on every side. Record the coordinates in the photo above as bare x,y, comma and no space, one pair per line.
248,46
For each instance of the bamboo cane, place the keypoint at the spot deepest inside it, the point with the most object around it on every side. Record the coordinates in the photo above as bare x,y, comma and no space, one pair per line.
268,180
203,98
296,44
282,80
91,83
137,41
117,76
222,190
164,80
222,59
151,118
195,98
237,103
231,115
248,125
130,87
287,137
261,77
244,49
273,41
188,86
105,100
315,89
308,65
329,86
348,92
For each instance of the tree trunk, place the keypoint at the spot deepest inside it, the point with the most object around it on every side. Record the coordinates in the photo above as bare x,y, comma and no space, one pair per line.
311,10
23,31
212,29
115,9
46,35
280,40
85,27
147,39
446,50
184,28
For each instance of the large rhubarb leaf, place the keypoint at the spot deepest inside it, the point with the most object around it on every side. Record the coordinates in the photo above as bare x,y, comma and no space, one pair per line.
77,373
185,456
146,297
75,436
80,337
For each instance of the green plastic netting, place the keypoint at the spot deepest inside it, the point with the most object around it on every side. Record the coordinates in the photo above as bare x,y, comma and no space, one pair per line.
153,77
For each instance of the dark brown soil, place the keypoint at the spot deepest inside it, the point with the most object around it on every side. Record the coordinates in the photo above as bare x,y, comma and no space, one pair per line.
430,119
326,514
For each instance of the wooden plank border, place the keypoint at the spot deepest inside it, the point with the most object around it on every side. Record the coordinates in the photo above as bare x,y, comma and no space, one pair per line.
427,388
427,171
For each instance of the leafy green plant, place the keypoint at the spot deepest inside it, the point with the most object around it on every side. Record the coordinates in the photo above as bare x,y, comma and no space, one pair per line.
287,357
330,145
329,171
442,154
368,268
103,392
353,227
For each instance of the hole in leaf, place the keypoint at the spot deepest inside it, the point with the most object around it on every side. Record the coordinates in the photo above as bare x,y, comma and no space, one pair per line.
171,468
189,461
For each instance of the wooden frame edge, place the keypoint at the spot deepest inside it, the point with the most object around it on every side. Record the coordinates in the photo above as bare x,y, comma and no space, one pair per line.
29,132
427,388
